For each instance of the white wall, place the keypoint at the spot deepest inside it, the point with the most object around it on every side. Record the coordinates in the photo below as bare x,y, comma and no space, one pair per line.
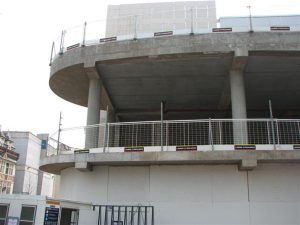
194,194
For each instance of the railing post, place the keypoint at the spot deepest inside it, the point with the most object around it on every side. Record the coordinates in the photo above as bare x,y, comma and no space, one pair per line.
162,125
51,56
107,139
211,141
135,28
84,33
62,39
277,131
167,134
192,22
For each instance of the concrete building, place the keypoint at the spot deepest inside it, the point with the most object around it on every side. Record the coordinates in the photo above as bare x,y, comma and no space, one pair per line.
191,132
127,19
29,179
8,160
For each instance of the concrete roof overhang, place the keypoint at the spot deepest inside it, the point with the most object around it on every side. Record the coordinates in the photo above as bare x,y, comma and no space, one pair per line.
190,73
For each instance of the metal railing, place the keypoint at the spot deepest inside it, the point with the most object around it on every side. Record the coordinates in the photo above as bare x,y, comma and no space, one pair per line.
195,20
212,132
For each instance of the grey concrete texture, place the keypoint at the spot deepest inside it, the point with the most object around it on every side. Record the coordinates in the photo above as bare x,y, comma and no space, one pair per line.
244,159
137,75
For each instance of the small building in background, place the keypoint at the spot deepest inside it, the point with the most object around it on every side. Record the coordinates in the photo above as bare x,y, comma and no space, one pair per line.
8,160
29,178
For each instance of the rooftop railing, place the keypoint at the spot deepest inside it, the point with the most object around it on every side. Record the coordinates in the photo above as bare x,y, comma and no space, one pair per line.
161,23
169,135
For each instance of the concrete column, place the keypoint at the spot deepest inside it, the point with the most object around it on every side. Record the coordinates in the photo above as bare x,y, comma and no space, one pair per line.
93,113
238,97
238,104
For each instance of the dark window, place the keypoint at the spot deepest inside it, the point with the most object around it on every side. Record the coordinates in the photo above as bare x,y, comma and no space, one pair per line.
3,214
27,215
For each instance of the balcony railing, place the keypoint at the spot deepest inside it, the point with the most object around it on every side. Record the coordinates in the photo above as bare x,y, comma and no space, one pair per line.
196,20
204,134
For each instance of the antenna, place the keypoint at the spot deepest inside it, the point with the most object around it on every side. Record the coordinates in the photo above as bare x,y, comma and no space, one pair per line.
250,18
59,130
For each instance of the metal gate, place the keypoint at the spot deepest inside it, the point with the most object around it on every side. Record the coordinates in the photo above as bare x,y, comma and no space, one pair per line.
125,215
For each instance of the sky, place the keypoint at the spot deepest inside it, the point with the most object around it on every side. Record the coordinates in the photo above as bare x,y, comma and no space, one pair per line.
27,30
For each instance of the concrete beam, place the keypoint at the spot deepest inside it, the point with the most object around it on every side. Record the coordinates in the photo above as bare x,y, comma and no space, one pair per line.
247,164
83,166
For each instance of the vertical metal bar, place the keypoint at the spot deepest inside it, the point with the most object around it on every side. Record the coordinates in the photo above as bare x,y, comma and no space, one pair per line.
211,141
119,213
108,136
192,22
298,131
135,27
139,215
61,47
84,33
220,132
146,217
161,125
131,219
277,130
52,50
167,134
125,216
106,215
268,131
99,216
112,218
152,220
59,132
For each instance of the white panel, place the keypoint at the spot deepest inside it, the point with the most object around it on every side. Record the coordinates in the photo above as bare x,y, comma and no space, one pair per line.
128,185
275,183
181,184
229,184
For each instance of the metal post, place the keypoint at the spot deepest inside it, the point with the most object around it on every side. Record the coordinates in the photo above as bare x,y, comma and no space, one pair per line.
62,39
272,124
112,218
161,125
250,18
135,27
211,141
99,216
139,215
152,222
146,217
119,213
105,216
59,131
125,216
84,33
277,131
131,219
167,134
192,22
51,56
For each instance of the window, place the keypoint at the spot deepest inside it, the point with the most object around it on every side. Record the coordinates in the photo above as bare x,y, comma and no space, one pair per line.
27,215
3,213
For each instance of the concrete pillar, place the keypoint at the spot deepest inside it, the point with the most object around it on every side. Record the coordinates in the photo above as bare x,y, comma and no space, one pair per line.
93,113
238,104
238,96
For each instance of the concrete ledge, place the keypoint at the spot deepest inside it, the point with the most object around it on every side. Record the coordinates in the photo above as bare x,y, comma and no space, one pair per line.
244,159
247,164
83,166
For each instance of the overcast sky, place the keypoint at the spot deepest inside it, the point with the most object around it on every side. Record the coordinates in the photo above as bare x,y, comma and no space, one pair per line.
28,28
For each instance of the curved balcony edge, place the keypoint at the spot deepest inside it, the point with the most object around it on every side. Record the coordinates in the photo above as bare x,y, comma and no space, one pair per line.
245,159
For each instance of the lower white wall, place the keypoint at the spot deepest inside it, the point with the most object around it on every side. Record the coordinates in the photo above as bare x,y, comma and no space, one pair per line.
194,194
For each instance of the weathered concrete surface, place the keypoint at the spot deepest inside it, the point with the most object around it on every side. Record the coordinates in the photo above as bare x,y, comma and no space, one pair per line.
137,75
245,159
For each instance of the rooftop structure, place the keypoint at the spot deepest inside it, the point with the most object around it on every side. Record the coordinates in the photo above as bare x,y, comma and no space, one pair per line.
201,126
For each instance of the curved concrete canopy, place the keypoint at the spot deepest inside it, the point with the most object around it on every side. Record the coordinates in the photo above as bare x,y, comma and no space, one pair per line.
55,164
190,73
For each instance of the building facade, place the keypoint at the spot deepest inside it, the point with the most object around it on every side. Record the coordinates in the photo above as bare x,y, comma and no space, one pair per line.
29,179
8,160
203,128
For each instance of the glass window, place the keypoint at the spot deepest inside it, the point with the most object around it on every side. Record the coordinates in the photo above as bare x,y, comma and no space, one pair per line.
3,213
27,215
